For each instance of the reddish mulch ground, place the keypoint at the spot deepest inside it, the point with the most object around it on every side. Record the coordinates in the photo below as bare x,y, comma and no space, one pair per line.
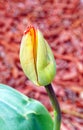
61,22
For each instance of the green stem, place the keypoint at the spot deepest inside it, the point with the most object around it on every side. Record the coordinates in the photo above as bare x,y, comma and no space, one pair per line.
57,111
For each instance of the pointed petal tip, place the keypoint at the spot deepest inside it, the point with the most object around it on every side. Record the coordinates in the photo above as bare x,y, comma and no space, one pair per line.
29,28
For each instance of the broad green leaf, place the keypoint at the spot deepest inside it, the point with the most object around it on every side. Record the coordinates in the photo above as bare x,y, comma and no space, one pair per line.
18,112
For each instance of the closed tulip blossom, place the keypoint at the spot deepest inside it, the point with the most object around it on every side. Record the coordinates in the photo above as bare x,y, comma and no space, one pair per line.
38,64
36,57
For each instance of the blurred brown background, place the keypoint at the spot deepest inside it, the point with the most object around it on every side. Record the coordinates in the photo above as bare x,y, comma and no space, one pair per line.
61,22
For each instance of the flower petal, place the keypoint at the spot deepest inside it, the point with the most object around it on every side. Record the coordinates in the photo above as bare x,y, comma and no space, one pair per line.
27,55
45,62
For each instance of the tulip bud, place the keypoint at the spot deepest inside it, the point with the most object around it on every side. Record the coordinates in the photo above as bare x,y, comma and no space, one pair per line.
36,58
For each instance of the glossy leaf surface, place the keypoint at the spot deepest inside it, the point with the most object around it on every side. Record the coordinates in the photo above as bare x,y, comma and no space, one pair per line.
18,112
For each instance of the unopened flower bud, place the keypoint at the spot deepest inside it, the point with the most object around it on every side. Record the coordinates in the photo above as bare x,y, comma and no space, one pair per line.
36,58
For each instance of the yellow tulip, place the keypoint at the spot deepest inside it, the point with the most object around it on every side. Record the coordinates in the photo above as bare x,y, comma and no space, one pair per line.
36,58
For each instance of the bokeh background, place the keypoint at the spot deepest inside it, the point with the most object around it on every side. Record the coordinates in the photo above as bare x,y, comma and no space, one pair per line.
61,22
